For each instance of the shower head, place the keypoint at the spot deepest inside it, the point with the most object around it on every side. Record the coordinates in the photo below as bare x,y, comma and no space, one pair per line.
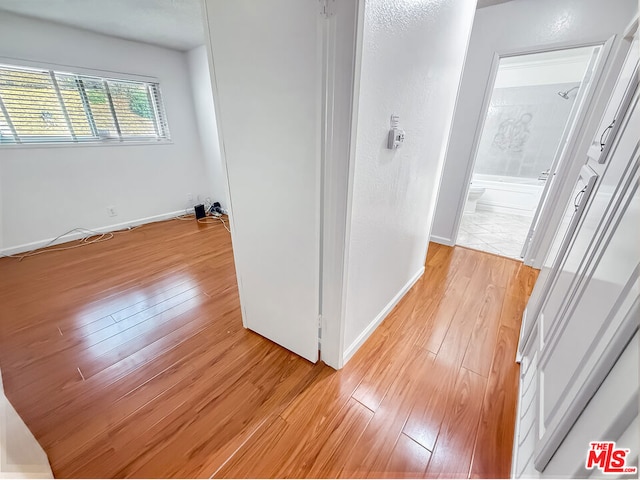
566,93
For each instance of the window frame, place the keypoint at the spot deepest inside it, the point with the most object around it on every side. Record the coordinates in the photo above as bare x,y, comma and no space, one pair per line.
154,95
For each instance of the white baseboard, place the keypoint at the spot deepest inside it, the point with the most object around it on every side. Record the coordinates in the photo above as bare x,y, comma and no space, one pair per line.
442,240
27,247
516,432
353,348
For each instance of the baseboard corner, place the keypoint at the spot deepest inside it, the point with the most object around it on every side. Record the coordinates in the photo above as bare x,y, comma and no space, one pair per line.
366,333
442,240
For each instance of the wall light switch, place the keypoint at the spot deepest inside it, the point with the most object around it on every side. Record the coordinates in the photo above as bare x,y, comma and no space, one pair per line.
396,134
396,138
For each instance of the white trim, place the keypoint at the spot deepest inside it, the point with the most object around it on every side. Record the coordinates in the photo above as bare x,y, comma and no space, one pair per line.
565,45
322,144
632,28
92,143
516,430
442,240
541,63
355,104
26,247
353,348
336,174
523,327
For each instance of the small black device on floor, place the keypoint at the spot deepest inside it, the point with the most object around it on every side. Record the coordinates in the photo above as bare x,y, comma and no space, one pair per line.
216,209
200,213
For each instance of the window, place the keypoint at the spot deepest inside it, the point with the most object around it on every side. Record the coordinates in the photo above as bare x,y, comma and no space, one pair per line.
45,106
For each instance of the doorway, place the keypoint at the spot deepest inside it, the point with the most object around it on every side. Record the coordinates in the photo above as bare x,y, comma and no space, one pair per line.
532,109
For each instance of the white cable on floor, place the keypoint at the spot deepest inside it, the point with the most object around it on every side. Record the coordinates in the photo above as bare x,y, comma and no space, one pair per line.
91,237
86,240
214,217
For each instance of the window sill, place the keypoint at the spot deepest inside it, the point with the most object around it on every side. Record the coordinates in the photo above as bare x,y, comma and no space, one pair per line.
129,143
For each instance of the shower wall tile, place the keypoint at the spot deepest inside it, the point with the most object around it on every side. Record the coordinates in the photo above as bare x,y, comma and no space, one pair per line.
522,130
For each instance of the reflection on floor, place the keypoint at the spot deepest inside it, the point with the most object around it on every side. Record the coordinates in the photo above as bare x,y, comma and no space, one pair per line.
499,233
129,359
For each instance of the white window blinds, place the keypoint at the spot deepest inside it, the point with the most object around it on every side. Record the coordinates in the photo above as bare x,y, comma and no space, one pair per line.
44,106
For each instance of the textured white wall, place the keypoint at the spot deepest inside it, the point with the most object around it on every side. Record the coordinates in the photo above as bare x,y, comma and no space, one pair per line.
49,190
412,54
512,26
207,125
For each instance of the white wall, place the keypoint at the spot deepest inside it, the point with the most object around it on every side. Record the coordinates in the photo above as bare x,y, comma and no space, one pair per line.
518,25
21,456
411,61
49,190
207,126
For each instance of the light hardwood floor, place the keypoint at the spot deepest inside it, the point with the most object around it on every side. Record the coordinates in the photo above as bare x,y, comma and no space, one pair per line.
128,359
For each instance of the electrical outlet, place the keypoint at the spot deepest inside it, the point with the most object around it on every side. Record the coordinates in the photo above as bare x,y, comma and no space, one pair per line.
111,211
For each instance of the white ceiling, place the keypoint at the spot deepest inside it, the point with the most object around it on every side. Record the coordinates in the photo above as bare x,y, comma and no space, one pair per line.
174,24
488,3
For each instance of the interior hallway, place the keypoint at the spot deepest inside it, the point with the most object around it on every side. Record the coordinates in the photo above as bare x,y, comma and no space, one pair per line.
128,358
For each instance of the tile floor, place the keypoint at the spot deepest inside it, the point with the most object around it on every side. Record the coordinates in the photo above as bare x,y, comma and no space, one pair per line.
498,233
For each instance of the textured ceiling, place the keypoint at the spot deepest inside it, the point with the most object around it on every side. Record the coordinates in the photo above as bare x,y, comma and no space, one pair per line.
174,24
481,3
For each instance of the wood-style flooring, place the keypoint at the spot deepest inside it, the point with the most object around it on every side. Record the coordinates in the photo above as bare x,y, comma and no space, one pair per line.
128,358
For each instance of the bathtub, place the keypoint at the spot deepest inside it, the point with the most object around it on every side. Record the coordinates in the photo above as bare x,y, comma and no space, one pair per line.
512,195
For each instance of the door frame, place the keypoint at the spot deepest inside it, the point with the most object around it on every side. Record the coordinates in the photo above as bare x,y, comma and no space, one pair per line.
580,122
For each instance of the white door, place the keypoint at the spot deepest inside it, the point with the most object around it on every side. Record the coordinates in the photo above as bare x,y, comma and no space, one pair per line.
552,274
625,90
591,311
567,141
267,88
573,211
618,103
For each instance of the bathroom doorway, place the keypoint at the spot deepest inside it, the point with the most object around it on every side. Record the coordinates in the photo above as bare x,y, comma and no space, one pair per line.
532,108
